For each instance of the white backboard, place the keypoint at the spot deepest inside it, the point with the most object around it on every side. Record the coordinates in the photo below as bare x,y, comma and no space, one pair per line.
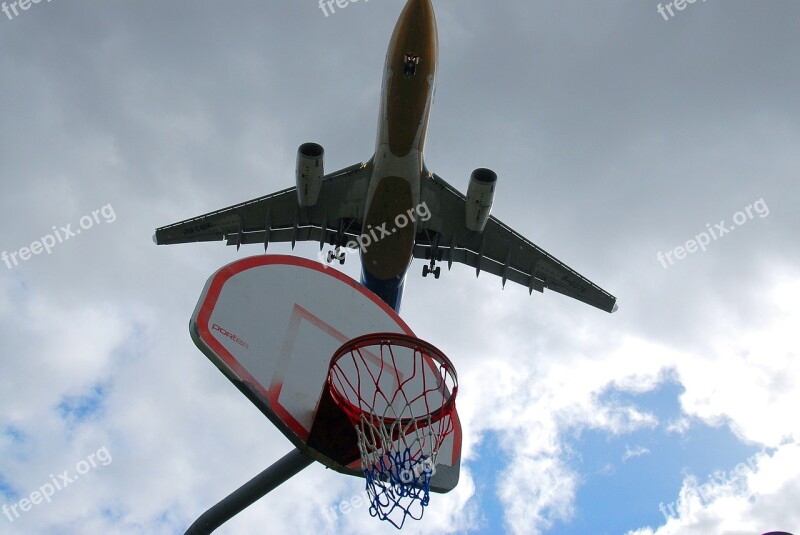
271,323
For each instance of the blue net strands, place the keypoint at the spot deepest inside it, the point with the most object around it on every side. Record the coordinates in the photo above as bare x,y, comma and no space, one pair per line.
396,494
398,476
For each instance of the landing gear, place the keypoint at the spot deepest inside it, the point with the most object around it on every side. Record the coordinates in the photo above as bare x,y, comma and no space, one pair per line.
337,240
410,65
434,255
436,271
339,254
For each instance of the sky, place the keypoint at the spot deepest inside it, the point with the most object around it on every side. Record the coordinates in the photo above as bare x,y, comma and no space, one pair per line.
621,136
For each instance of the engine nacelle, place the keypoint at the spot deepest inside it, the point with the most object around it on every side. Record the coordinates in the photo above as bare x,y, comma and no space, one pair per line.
309,173
480,196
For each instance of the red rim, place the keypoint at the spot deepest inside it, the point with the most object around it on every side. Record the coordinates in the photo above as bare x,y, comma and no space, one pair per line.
393,339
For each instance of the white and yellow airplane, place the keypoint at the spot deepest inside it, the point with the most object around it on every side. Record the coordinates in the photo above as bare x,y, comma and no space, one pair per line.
392,208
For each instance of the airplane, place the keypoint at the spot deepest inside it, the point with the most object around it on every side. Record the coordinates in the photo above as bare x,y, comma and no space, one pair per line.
391,208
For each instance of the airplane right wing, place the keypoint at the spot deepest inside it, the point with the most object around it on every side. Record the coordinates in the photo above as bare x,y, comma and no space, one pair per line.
278,218
497,250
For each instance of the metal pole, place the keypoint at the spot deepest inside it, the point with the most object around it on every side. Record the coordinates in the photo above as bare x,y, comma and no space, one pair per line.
246,495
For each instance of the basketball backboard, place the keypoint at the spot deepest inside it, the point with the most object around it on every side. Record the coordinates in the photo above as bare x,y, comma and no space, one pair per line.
272,323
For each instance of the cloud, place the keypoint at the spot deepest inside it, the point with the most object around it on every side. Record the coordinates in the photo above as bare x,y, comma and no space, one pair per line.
637,451
752,498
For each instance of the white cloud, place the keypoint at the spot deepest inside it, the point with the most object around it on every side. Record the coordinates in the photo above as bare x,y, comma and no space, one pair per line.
744,502
636,451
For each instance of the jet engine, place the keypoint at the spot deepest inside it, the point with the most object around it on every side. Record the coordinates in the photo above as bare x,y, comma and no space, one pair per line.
480,195
309,173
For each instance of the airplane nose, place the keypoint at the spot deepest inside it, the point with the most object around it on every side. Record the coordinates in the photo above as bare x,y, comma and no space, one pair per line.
421,4
420,11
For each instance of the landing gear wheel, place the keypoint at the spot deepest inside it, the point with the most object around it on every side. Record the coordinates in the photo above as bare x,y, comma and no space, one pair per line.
425,271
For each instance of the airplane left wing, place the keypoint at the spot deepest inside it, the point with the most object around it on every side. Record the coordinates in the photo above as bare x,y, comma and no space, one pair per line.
335,217
497,250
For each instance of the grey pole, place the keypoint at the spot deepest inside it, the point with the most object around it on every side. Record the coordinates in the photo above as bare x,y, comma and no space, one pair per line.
246,495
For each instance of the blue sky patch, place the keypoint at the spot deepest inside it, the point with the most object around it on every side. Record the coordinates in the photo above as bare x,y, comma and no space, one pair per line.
77,409
626,478
486,468
7,492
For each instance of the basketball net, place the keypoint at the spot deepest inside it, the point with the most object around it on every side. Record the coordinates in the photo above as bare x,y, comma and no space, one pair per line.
399,393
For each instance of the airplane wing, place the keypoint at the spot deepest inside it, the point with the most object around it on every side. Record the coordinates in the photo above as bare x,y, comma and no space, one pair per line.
279,218
497,250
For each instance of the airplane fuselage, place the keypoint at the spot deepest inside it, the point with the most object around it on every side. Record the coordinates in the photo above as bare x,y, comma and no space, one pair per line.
394,188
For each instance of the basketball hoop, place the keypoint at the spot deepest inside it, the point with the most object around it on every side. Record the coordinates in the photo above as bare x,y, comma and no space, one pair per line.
399,394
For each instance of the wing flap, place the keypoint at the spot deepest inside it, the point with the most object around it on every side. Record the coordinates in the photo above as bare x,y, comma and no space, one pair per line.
277,217
498,250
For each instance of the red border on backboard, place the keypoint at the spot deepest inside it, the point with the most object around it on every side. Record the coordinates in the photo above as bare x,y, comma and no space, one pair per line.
272,391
